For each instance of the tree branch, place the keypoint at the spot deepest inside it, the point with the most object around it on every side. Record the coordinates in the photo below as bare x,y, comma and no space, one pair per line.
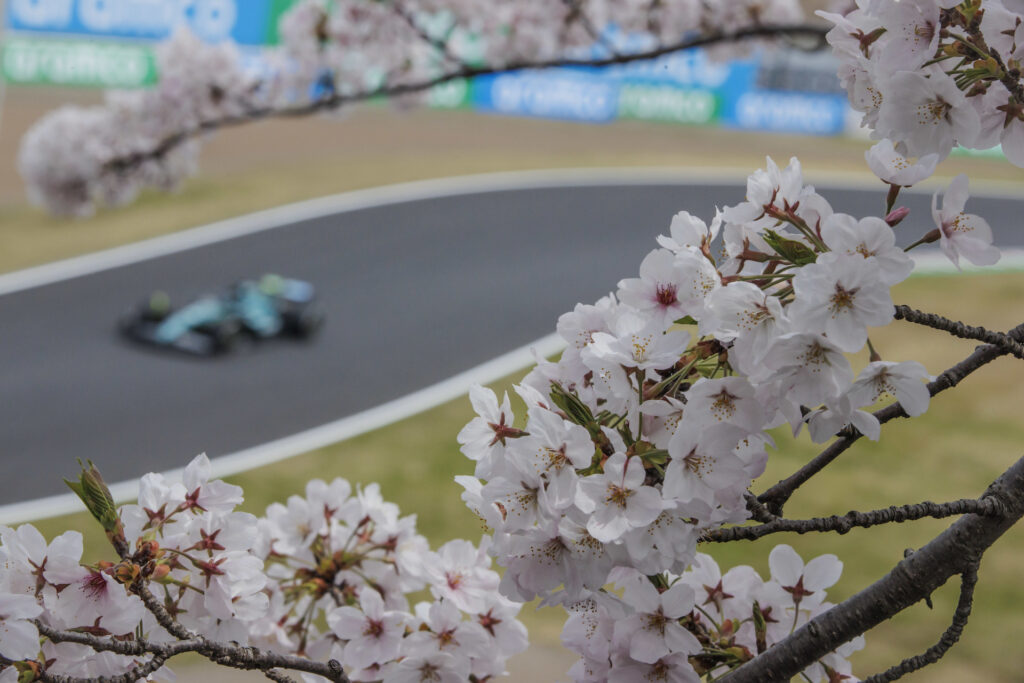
338,100
131,676
775,497
959,329
232,655
853,519
949,638
954,551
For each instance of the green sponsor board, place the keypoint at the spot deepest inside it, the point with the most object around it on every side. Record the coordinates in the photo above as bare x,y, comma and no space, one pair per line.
271,35
667,103
78,63
454,94
991,153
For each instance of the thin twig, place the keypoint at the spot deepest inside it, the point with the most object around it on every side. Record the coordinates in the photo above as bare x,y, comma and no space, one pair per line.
131,676
163,617
439,44
841,524
338,100
959,329
775,497
949,638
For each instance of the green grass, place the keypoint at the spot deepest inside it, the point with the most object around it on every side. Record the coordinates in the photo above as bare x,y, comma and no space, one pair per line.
966,439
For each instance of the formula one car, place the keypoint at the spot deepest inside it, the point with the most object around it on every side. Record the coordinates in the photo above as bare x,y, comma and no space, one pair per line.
272,306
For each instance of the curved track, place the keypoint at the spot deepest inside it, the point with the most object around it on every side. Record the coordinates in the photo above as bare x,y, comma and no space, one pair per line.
415,291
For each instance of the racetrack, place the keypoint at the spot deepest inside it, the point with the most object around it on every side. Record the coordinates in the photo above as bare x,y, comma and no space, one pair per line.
415,291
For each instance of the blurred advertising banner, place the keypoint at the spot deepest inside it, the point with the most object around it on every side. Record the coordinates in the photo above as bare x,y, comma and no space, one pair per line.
79,63
109,43
772,89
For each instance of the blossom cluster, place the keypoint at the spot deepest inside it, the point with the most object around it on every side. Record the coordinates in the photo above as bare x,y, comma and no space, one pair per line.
648,431
351,41
76,158
933,74
327,576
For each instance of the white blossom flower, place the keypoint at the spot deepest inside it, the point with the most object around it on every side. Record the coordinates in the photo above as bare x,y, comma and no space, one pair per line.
19,637
962,234
374,634
636,343
553,451
807,368
703,463
841,297
870,238
670,286
804,583
928,113
485,437
617,499
439,667
687,231
904,381
654,630
894,168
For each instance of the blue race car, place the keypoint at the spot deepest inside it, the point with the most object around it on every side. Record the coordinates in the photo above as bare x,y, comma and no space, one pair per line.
272,306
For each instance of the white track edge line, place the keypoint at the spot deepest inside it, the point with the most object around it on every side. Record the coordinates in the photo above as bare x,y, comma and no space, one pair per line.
288,214
317,437
934,262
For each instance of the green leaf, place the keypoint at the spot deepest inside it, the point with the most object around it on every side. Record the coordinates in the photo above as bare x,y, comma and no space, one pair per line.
791,250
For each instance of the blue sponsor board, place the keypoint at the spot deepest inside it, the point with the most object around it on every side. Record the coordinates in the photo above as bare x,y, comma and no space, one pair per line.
787,112
759,92
243,21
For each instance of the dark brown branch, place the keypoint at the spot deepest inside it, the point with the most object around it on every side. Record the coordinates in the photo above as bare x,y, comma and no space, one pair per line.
338,100
278,676
959,329
775,497
237,656
163,617
948,639
225,654
954,551
131,676
758,512
841,524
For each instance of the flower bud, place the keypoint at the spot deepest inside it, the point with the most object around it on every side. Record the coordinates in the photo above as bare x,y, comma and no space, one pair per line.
895,216
160,571
93,491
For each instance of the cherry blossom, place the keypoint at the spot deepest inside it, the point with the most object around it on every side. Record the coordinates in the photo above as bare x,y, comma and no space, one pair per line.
904,381
895,169
962,234
841,297
617,500
871,238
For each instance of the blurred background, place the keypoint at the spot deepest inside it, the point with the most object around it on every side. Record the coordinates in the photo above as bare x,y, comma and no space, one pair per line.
684,111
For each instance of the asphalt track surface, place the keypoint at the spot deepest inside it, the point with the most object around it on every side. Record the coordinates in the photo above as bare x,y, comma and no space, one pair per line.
414,292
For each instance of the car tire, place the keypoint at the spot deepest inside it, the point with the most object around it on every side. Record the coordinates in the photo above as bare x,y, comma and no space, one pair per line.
225,337
308,323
